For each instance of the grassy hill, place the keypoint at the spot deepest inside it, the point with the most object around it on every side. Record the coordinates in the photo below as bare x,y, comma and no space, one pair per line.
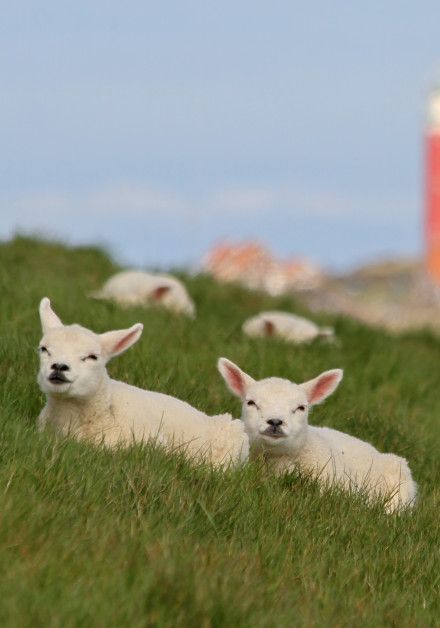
139,538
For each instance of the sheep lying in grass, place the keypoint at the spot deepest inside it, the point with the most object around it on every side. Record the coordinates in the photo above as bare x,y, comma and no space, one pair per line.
134,287
284,325
275,413
82,400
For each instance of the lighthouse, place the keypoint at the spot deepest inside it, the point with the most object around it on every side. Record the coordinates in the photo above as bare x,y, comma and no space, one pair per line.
433,187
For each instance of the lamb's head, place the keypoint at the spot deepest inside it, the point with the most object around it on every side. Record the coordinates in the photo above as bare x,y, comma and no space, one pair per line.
275,410
73,358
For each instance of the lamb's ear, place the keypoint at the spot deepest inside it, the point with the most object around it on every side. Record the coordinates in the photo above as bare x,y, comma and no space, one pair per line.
116,342
322,386
236,380
269,328
48,318
159,292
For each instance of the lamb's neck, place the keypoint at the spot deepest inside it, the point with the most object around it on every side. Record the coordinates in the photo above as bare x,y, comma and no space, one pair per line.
313,446
77,413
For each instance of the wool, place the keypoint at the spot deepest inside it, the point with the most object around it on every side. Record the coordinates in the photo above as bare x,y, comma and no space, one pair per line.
83,402
133,287
289,327
275,414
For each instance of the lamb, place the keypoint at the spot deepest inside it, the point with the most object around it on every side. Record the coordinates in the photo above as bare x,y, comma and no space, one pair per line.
284,325
275,414
134,287
82,401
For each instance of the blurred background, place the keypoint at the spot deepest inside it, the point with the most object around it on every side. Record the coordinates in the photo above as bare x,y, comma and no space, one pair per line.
232,135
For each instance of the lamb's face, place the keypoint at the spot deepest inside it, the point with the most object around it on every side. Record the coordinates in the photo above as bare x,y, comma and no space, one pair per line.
275,414
275,410
71,362
73,358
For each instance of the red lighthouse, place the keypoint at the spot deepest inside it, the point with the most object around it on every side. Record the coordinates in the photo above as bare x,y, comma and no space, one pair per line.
433,187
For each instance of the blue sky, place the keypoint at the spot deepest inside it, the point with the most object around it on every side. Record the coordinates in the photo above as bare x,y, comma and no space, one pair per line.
160,128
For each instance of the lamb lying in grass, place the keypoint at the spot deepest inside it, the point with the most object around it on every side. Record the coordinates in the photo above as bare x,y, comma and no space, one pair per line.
284,325
275,413
134,287
82,400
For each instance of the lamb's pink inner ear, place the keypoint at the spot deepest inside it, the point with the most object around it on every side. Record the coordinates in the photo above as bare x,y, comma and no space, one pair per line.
323,387
160,292
115,342
125,342
269,328
235,380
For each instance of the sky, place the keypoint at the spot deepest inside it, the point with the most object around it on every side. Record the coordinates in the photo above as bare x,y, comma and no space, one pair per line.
158,129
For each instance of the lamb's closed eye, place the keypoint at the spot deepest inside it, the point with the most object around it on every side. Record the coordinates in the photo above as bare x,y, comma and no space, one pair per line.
91,356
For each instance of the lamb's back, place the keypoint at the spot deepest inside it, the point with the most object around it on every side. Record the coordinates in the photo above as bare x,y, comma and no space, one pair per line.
286,325
145,415
353,462
129,283
146,410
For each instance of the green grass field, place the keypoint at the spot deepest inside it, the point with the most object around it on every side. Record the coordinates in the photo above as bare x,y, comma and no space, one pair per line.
140,538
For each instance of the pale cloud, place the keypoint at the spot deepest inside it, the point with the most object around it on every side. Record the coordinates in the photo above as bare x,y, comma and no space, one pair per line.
105,202
145,224
246,200
134,199
25,206
297,201
140,201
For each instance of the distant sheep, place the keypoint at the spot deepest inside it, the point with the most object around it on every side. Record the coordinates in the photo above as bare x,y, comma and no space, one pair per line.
134,287
275,414
290,327
83,402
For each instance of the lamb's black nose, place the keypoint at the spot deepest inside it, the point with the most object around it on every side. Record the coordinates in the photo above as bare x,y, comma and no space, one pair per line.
59,367
274,422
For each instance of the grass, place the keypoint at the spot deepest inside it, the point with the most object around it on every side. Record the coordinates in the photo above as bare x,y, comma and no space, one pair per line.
139,538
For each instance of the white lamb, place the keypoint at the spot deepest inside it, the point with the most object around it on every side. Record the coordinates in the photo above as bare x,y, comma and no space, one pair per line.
275,413
284,325
134,287
82,400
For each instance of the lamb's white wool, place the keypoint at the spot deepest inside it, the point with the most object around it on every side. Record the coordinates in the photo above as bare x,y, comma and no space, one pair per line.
275,414
134,287
284,325
82,400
